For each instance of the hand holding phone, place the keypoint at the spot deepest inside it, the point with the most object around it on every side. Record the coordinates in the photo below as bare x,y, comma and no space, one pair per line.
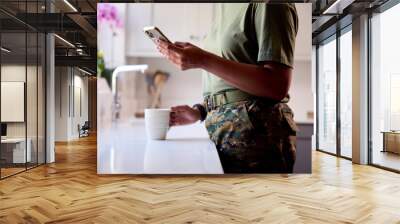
155,34
183,55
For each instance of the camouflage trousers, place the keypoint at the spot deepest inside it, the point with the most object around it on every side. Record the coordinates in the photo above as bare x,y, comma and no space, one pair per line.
254,136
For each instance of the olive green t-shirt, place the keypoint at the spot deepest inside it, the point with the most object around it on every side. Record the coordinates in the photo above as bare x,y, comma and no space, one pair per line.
250,33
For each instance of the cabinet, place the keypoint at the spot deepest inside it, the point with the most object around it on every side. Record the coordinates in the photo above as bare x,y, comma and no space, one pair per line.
303,148
391,141
14,152
185,22
138,16
196,29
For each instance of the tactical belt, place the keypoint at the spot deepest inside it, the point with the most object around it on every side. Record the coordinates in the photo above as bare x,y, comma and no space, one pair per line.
215,100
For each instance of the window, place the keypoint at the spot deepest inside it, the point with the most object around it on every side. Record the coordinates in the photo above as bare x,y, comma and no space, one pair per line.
327,96
335,74
13,148
22,78
385,89
346,93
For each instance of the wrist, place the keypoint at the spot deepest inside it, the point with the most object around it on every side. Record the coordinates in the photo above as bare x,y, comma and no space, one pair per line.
204,59
200,111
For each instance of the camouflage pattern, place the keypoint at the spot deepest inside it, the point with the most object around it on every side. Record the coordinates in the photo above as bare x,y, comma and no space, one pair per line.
254,136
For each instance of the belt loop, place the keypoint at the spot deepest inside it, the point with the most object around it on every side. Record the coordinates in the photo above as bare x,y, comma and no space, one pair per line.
211,102
214,100
225,98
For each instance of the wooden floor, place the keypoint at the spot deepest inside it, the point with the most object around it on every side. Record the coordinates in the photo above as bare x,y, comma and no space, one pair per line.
387,159
10,171
70,191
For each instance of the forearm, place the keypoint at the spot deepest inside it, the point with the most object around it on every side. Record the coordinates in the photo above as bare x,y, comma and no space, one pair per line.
255,79
270,80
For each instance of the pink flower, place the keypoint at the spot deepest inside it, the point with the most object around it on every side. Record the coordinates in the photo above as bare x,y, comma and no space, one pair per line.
113,13
108,13
101,15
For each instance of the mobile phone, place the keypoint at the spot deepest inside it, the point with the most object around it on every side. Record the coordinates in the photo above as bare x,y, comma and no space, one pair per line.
155,34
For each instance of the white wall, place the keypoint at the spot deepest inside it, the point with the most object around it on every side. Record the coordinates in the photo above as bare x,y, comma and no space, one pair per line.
14,73
301,96
34,125
301,93
303,38
17,73
61,103
67,114
79,117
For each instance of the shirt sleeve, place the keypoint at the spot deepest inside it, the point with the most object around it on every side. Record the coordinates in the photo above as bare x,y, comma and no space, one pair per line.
276,28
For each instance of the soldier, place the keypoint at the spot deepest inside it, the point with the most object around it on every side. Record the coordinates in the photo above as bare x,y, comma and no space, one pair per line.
247,63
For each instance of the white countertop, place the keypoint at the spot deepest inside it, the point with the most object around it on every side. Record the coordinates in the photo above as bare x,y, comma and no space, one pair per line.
124,149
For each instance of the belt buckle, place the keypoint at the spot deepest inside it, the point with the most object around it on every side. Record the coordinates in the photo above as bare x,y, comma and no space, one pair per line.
221,95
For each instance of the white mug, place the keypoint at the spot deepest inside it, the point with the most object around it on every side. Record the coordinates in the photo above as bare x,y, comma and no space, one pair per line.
157,123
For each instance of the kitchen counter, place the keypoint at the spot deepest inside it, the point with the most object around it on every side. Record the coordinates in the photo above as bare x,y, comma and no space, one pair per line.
123,149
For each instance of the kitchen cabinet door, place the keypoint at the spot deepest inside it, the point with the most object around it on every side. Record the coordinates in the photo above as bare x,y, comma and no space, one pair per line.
170,19
201,18
138,44
187,22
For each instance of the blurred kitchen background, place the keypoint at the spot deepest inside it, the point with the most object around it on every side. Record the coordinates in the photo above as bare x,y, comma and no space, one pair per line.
121,41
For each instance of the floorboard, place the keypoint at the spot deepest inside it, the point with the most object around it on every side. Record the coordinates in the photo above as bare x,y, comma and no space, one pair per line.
70,191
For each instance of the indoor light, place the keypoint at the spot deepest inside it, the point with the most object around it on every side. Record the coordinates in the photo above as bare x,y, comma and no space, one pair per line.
84,71
5,50
64,40
70,5
333,9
